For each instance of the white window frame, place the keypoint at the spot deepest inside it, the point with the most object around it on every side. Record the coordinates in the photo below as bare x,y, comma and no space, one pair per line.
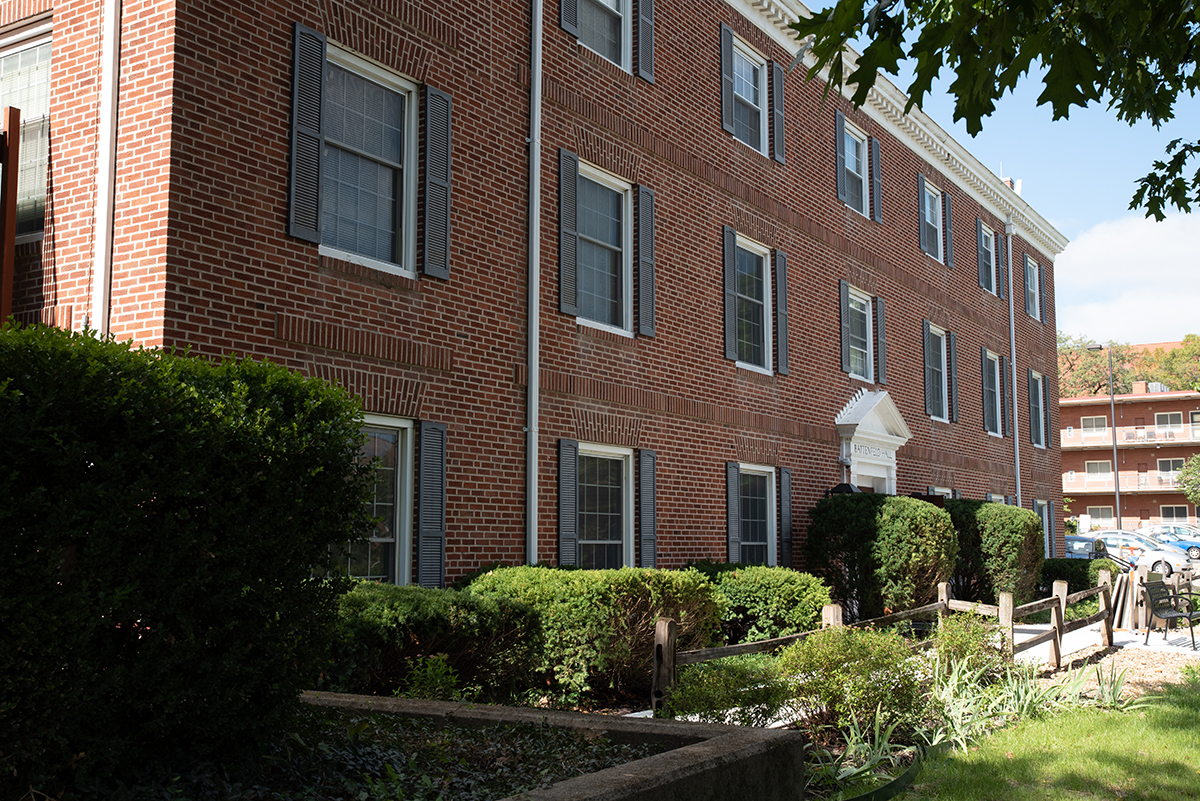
1174,520
940,334
1160,425
26,37
1042,510
1106,472
1033,295
933,217
610,181
1037,422
989,236
406,224
742,51
993,360
862,145
1169,462
764,253
745,468
869,358
403,521
1103,428
1106,514
624,11
627,500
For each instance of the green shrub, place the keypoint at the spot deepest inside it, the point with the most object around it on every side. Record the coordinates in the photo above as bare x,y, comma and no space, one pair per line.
387,636
765,602
966,637
880,553
599,624
1080,574
1001,549
160,520
739,690
841,675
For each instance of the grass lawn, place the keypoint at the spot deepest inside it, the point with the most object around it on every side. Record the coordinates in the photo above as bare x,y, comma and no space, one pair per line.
1152,753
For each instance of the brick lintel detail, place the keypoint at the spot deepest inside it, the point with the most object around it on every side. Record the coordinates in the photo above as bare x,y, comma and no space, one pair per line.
377,345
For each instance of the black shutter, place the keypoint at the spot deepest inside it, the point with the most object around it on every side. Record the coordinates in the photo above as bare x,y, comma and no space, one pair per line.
880,342
844,303
645,249
839,127
927,339
645,40
781,313
568,503
436,234
568,16
1050,524
431,505
726,77
983,372
952,369
785,516
647,521
568,232
777,113
1025,285
1041,294
922,240
1006,397
1045,413
1032,399
876,181
988,497
308,81
1002,272
733,512
984,268
929,490
948,229
956,494
729,251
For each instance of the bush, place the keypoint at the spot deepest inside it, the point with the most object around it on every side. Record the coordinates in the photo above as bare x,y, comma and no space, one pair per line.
160,520
599,624
966,637
413,638
843,674
1080,574
766,602
739,690
880,552
1000,550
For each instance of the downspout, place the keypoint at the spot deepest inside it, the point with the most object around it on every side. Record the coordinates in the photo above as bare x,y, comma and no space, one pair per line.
533,385
106,163
1012,351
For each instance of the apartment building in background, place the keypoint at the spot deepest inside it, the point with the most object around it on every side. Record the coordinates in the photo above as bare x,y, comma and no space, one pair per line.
1156,430
619,288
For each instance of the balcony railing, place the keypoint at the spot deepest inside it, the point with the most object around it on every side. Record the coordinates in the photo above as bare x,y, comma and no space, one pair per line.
1131,435
1131,480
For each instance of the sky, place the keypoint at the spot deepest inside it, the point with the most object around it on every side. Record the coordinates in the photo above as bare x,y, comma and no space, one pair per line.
1123,277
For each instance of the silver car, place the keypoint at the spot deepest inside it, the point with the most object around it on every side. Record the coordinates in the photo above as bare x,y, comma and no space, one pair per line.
1140,550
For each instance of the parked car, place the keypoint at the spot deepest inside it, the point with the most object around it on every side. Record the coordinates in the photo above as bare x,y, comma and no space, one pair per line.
1084,548
1177,534
1139,550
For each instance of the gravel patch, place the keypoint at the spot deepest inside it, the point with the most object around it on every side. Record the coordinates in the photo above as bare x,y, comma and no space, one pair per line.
1148,670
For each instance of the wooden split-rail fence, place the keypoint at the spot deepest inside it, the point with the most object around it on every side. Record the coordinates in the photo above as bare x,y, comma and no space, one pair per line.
666,659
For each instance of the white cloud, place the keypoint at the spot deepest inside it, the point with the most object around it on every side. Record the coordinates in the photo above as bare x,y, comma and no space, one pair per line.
1131,280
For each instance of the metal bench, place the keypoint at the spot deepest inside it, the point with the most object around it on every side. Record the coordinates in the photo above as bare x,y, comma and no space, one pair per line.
1162,603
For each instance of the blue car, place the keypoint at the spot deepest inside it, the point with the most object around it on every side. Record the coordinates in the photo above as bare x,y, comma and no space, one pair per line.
1184,537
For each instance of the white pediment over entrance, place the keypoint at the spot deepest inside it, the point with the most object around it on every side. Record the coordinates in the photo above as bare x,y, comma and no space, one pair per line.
872,430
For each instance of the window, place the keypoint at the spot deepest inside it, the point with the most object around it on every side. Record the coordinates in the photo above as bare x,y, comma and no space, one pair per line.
985,240
1033,298
1195,418
596,491
1102,516
25,85
1169,468
1094,425
934,221
354,161
1174,514
750,495
596,248
607,27
1045,512
754,115
755,305
1169,421
1039,413
993,414
864,337
1098,471
941,373
858,178
386,555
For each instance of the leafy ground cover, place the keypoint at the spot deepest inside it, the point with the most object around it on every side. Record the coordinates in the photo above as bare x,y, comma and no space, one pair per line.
339,754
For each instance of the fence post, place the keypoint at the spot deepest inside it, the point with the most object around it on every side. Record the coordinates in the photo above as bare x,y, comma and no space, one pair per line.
831,615
944,599
1106,606
1006,621
1057,616
663,680
1141,616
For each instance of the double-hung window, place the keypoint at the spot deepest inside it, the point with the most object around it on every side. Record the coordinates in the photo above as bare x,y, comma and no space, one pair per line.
858,179
1101,516
934,221
1033,291
1038,411
755,304
985,240
1094,426
993,412
1045,512
596,494
610,29
25,85
1168,469
388,444
354,171
753,525
941,373
751,109
1174,513
1169,422
1099,471
864,337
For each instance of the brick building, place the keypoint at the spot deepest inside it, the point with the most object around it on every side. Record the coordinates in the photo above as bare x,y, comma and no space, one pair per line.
744,295
1156,430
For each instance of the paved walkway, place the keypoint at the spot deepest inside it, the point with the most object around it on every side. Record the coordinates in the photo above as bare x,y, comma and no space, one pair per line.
1178,641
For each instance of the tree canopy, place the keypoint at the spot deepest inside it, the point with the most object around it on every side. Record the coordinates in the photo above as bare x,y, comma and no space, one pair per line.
1189,479
1085,372
1138,55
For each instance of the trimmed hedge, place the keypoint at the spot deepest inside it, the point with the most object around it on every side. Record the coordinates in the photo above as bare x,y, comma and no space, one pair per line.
761,603
385,632
1080,574
599,624
160,520
1000,550
880,552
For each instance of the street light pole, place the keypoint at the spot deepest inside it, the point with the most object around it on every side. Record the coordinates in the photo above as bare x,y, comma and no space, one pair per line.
1112,407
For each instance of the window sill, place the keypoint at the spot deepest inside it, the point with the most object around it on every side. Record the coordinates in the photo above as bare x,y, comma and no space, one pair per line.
597,331
745,367
336,264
